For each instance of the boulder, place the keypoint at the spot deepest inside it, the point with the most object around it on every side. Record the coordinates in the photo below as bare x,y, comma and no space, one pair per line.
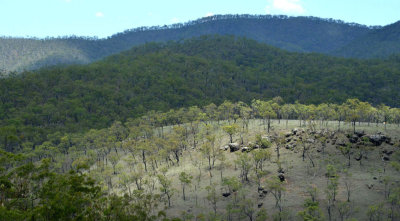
281,177
359,133
224,148
245,149
354,138
385,158
309,140
388,152
234,147
288,134
226,194
377,139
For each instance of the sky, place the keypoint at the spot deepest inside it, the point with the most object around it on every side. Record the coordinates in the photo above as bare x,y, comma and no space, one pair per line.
102,18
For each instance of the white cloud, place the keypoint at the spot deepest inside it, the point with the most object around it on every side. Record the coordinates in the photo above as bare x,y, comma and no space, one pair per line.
99,14
209,14
284,6
174,20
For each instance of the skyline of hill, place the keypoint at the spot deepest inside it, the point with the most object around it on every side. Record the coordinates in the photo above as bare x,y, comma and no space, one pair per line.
300,34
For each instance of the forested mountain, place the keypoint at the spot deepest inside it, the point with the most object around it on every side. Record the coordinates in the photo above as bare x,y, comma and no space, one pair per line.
160,76
379,43
301,34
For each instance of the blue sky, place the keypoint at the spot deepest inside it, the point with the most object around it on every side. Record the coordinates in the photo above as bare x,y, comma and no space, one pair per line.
102,18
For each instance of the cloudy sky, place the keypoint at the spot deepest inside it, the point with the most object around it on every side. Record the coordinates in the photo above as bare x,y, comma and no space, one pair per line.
102,18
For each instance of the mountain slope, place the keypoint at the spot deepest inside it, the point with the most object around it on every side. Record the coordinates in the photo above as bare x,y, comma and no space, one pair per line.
378,43
302,34
194,72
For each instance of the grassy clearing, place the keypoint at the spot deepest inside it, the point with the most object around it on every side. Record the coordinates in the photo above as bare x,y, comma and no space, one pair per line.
367,181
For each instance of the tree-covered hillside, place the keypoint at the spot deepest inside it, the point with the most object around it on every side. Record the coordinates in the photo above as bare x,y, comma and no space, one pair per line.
303,34
194,72
378,43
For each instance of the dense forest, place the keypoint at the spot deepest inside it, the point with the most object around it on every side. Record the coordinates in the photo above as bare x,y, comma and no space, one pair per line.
199,71
301,34
379,43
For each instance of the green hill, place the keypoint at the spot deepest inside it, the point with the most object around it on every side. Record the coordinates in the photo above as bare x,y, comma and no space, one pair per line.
378,43
302,34
193,72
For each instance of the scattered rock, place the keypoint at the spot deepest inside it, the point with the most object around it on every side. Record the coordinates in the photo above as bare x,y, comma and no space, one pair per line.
385,158
260,205
265,192
370,186
281,170
288,134
375,178
260,189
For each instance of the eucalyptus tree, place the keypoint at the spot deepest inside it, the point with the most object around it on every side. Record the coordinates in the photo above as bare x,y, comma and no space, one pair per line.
231,130
287,111
265,110
186,180
353,105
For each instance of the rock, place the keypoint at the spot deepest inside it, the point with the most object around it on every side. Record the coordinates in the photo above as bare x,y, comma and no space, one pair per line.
226,194
246,149
377,139
261,195
359,133
253,145
288,134
375,178
260,205
234,147
310,140
389,152
385,158
288,140
281,170
295,131
281,177
370,186
265,192
224,148
354,139
341,143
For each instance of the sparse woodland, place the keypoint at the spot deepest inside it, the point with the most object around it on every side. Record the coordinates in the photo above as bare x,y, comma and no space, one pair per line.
267,160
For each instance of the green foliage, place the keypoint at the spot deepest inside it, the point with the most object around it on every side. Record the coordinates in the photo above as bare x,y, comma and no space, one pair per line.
312,211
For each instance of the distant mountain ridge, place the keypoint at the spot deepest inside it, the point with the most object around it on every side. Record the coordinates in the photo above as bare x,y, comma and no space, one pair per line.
300,34
379,43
